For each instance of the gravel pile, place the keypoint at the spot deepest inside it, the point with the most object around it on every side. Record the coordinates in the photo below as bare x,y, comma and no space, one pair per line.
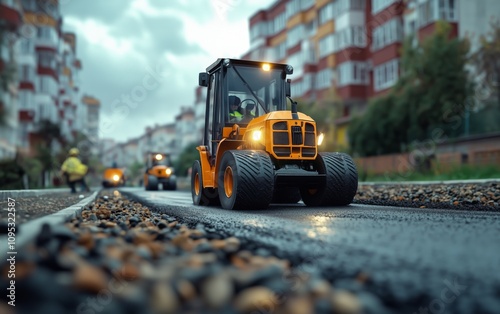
28,208
483,196
118,256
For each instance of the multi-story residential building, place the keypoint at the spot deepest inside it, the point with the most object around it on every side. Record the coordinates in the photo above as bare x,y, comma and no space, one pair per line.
10,22
93,106
71,115
185,130
45,84
345,52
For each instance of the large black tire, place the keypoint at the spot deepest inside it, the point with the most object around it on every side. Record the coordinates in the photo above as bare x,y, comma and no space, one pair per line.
245,180
152,183
202,196
341,181
286,195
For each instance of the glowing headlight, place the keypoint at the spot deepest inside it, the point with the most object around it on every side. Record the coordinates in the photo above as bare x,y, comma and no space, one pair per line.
266,67
257,135
158,157
168,171
321,136
116,177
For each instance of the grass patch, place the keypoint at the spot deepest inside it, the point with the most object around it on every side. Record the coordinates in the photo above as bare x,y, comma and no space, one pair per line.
463,172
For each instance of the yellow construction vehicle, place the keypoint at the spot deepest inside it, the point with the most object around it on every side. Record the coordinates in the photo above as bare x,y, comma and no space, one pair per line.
113,177
159,170
266,152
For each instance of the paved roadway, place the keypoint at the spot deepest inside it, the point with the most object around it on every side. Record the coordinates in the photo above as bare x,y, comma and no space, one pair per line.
419,260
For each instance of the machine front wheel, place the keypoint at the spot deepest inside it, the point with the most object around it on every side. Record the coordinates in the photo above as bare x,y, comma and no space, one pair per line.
341,182
245,180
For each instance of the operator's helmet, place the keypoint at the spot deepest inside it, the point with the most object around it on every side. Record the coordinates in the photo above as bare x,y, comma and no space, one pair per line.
234,101
74,152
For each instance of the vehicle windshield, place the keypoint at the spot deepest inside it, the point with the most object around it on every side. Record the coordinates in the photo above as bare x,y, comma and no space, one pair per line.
160,159
257,90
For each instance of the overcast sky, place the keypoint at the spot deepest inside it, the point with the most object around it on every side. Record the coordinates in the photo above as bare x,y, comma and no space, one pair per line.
141,58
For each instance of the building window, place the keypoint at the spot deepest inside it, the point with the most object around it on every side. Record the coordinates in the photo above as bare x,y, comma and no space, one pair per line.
326,13
26,73
352,73
387,33
386,75
280,51
292,8
279,23
324,78
447,10
354,36
294,36
325,45
379,5
426,13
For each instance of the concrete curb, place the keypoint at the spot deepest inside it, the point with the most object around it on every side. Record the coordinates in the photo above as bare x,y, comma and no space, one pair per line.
29,193
27,231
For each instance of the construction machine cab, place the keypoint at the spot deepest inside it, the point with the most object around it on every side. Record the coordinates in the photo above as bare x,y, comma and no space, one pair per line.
260,87
267,152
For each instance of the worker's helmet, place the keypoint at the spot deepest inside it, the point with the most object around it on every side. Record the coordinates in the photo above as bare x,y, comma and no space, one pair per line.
74,152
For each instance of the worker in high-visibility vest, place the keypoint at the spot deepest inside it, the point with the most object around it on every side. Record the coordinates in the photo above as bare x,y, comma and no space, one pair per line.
75,171
235,113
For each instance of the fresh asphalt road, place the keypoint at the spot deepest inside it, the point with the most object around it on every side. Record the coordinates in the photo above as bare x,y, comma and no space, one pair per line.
419,260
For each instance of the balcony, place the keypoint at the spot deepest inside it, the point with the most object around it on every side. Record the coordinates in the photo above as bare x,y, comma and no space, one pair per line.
26,115
10,16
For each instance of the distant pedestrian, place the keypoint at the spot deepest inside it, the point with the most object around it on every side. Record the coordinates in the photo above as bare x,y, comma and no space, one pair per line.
74,171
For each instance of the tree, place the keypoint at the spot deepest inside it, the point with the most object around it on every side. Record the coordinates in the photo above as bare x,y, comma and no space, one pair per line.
186,159
433,85
487,58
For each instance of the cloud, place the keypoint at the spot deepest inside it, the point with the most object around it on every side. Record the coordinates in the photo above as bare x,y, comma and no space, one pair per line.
121,42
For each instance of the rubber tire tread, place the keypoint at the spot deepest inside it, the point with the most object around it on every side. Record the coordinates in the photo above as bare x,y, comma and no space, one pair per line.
253,180
341,181
151,186
208,196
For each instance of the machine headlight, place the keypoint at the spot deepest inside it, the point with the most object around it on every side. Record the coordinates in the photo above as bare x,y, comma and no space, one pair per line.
266,67
116,177
289,69
168,171
321,137
159,157
257,135
226,62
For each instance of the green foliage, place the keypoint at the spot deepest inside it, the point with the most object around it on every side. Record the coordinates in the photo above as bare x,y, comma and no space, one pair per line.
459,172
186,159
135,171
324,115
486,59
11,174
33,168
431,92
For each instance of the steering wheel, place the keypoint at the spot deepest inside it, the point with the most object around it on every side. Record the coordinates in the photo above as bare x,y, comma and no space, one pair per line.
251,102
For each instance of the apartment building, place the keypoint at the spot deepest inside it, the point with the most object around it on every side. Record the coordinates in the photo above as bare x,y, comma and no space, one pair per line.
10,22
44,86
346,52
91,106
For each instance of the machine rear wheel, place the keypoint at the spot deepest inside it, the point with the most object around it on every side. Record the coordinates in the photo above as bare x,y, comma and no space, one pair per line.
202,196
341,181
152,184
245,180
